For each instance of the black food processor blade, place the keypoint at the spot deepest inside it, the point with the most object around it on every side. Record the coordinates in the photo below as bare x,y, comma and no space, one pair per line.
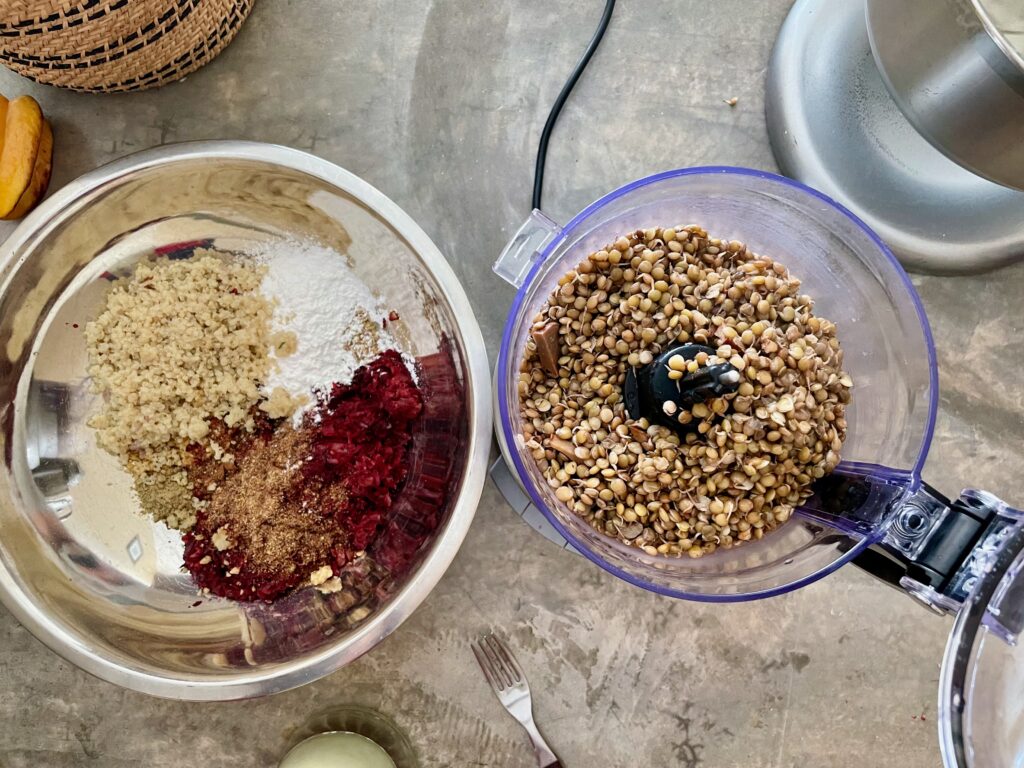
656,393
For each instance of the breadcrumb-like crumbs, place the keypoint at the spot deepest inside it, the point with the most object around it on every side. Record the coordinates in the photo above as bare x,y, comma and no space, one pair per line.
178,344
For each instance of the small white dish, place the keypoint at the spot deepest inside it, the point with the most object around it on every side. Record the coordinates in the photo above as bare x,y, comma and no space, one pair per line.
337,749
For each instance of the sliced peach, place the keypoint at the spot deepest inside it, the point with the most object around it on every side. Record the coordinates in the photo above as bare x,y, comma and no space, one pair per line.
22,135
40,176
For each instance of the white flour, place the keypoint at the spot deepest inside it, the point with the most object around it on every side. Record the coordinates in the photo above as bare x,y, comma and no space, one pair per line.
335,317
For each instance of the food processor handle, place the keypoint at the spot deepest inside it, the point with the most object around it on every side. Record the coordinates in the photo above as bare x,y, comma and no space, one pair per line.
935,549
525,247
925,545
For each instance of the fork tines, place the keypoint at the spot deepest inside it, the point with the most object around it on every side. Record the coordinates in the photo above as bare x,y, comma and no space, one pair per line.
497,662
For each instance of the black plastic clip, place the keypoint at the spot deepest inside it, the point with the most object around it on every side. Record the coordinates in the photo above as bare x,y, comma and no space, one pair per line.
935,548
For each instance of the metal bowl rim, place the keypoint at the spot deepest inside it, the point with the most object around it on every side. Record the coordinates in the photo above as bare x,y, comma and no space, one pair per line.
65,640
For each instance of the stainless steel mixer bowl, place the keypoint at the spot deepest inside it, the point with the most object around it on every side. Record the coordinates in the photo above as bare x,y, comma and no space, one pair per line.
957,77
79,566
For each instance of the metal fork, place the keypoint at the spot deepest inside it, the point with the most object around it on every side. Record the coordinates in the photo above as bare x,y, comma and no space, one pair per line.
509,684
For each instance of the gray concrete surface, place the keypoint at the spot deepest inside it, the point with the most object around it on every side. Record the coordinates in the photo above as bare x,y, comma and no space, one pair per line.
440,105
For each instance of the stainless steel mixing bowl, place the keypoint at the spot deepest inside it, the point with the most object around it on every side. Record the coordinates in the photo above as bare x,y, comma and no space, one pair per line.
957,77
79,566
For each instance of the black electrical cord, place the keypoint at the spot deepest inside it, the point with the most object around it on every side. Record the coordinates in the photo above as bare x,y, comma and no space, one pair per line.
545,135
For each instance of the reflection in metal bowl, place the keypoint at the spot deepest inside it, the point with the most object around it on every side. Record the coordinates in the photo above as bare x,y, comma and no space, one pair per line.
102,584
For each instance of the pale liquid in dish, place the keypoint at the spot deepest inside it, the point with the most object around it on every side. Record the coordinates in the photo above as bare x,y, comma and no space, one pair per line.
337,749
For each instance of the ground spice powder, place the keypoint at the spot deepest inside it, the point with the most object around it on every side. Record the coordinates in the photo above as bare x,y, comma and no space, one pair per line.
299,504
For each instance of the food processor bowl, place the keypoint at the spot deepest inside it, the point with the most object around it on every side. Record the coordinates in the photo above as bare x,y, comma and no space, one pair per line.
855,282
103,585
981,711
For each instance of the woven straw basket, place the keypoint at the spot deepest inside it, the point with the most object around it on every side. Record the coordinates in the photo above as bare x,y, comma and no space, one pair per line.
115,45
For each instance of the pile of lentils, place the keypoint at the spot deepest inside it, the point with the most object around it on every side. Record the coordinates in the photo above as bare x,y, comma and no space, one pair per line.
745,460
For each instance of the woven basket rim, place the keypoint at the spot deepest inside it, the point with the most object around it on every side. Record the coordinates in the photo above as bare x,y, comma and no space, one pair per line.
149,42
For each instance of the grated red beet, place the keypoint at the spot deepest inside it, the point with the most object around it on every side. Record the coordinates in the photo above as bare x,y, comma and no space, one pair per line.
364,435
437,450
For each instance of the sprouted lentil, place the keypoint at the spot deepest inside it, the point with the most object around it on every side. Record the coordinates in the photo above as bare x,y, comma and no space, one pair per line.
751,456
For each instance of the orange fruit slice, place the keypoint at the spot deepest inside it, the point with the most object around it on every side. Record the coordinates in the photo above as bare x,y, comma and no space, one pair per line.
23,133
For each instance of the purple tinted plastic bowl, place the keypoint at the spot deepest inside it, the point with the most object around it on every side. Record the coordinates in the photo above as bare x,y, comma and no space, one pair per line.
856,282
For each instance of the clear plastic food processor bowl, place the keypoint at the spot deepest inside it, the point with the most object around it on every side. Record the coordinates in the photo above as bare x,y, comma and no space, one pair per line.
855,281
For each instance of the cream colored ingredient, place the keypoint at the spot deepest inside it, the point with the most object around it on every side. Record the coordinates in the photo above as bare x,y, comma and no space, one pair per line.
280,404
177,344
220,539
320,575
330,586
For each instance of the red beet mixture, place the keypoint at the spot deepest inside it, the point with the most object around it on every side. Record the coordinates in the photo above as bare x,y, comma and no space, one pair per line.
361,435
364,436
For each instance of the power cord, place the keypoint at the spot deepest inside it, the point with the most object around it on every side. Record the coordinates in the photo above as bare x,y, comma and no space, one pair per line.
545,135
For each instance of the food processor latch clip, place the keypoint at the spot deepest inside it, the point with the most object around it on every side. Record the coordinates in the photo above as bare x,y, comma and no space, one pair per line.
529,241
935,549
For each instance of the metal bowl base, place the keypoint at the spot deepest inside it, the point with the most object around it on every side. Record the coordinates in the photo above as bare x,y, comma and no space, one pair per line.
834,126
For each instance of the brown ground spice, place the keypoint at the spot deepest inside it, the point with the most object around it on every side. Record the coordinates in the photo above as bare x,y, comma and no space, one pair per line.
166,499
265,512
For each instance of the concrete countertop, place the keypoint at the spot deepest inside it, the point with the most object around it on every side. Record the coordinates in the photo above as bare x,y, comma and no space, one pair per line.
440,106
